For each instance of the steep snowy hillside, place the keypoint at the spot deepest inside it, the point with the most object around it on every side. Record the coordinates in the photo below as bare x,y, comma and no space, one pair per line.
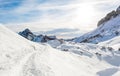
114,42
20,57
108,27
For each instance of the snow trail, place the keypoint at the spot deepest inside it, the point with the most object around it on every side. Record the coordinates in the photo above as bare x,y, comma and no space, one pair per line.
19,67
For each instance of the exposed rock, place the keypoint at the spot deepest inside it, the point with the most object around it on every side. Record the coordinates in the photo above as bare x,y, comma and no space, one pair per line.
109,16
36,38
108,28
27,34
118,10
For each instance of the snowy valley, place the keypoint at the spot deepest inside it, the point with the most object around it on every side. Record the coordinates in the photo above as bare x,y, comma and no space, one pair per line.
96,53
20,57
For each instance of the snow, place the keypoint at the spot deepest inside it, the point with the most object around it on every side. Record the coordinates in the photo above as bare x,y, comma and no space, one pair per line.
54,43
114,42
117,74
118,8
21,57
95,52
59,32
104,32
108,72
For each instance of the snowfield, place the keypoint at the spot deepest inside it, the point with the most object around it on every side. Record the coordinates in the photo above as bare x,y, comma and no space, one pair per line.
114,42
102,53
92,53
20,57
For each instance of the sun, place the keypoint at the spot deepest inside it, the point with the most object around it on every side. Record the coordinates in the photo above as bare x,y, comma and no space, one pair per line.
84,14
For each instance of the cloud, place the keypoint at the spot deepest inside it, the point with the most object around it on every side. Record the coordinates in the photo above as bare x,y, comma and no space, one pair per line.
80,14
26,7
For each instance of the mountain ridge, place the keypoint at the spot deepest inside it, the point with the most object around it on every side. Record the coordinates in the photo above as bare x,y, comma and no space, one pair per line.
106,30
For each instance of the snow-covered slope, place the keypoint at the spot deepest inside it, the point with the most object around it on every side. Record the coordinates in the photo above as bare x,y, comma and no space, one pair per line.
14,52
114,42
100,52
108,28
104,54
20,57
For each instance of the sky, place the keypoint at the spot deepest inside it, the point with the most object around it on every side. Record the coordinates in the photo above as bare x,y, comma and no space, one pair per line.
80,14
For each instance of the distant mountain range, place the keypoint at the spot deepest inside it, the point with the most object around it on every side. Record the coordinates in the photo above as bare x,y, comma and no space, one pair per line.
36,38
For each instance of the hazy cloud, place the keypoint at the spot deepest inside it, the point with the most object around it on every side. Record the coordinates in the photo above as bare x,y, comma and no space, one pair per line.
80,14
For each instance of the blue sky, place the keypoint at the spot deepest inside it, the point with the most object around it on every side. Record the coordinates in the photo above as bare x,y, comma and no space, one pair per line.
72,13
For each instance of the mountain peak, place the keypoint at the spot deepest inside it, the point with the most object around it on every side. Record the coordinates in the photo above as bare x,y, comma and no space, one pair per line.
118,9
109,16
108,27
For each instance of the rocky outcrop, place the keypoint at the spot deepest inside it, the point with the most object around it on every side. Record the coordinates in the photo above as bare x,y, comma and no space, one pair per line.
36,38
109,16
108,28
27,34
118,10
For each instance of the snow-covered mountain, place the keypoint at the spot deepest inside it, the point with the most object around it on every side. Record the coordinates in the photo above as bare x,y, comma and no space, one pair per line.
21,57
37,29
108,27
36,38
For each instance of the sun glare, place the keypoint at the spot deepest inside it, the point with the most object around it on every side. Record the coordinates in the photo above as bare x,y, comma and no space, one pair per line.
84,14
